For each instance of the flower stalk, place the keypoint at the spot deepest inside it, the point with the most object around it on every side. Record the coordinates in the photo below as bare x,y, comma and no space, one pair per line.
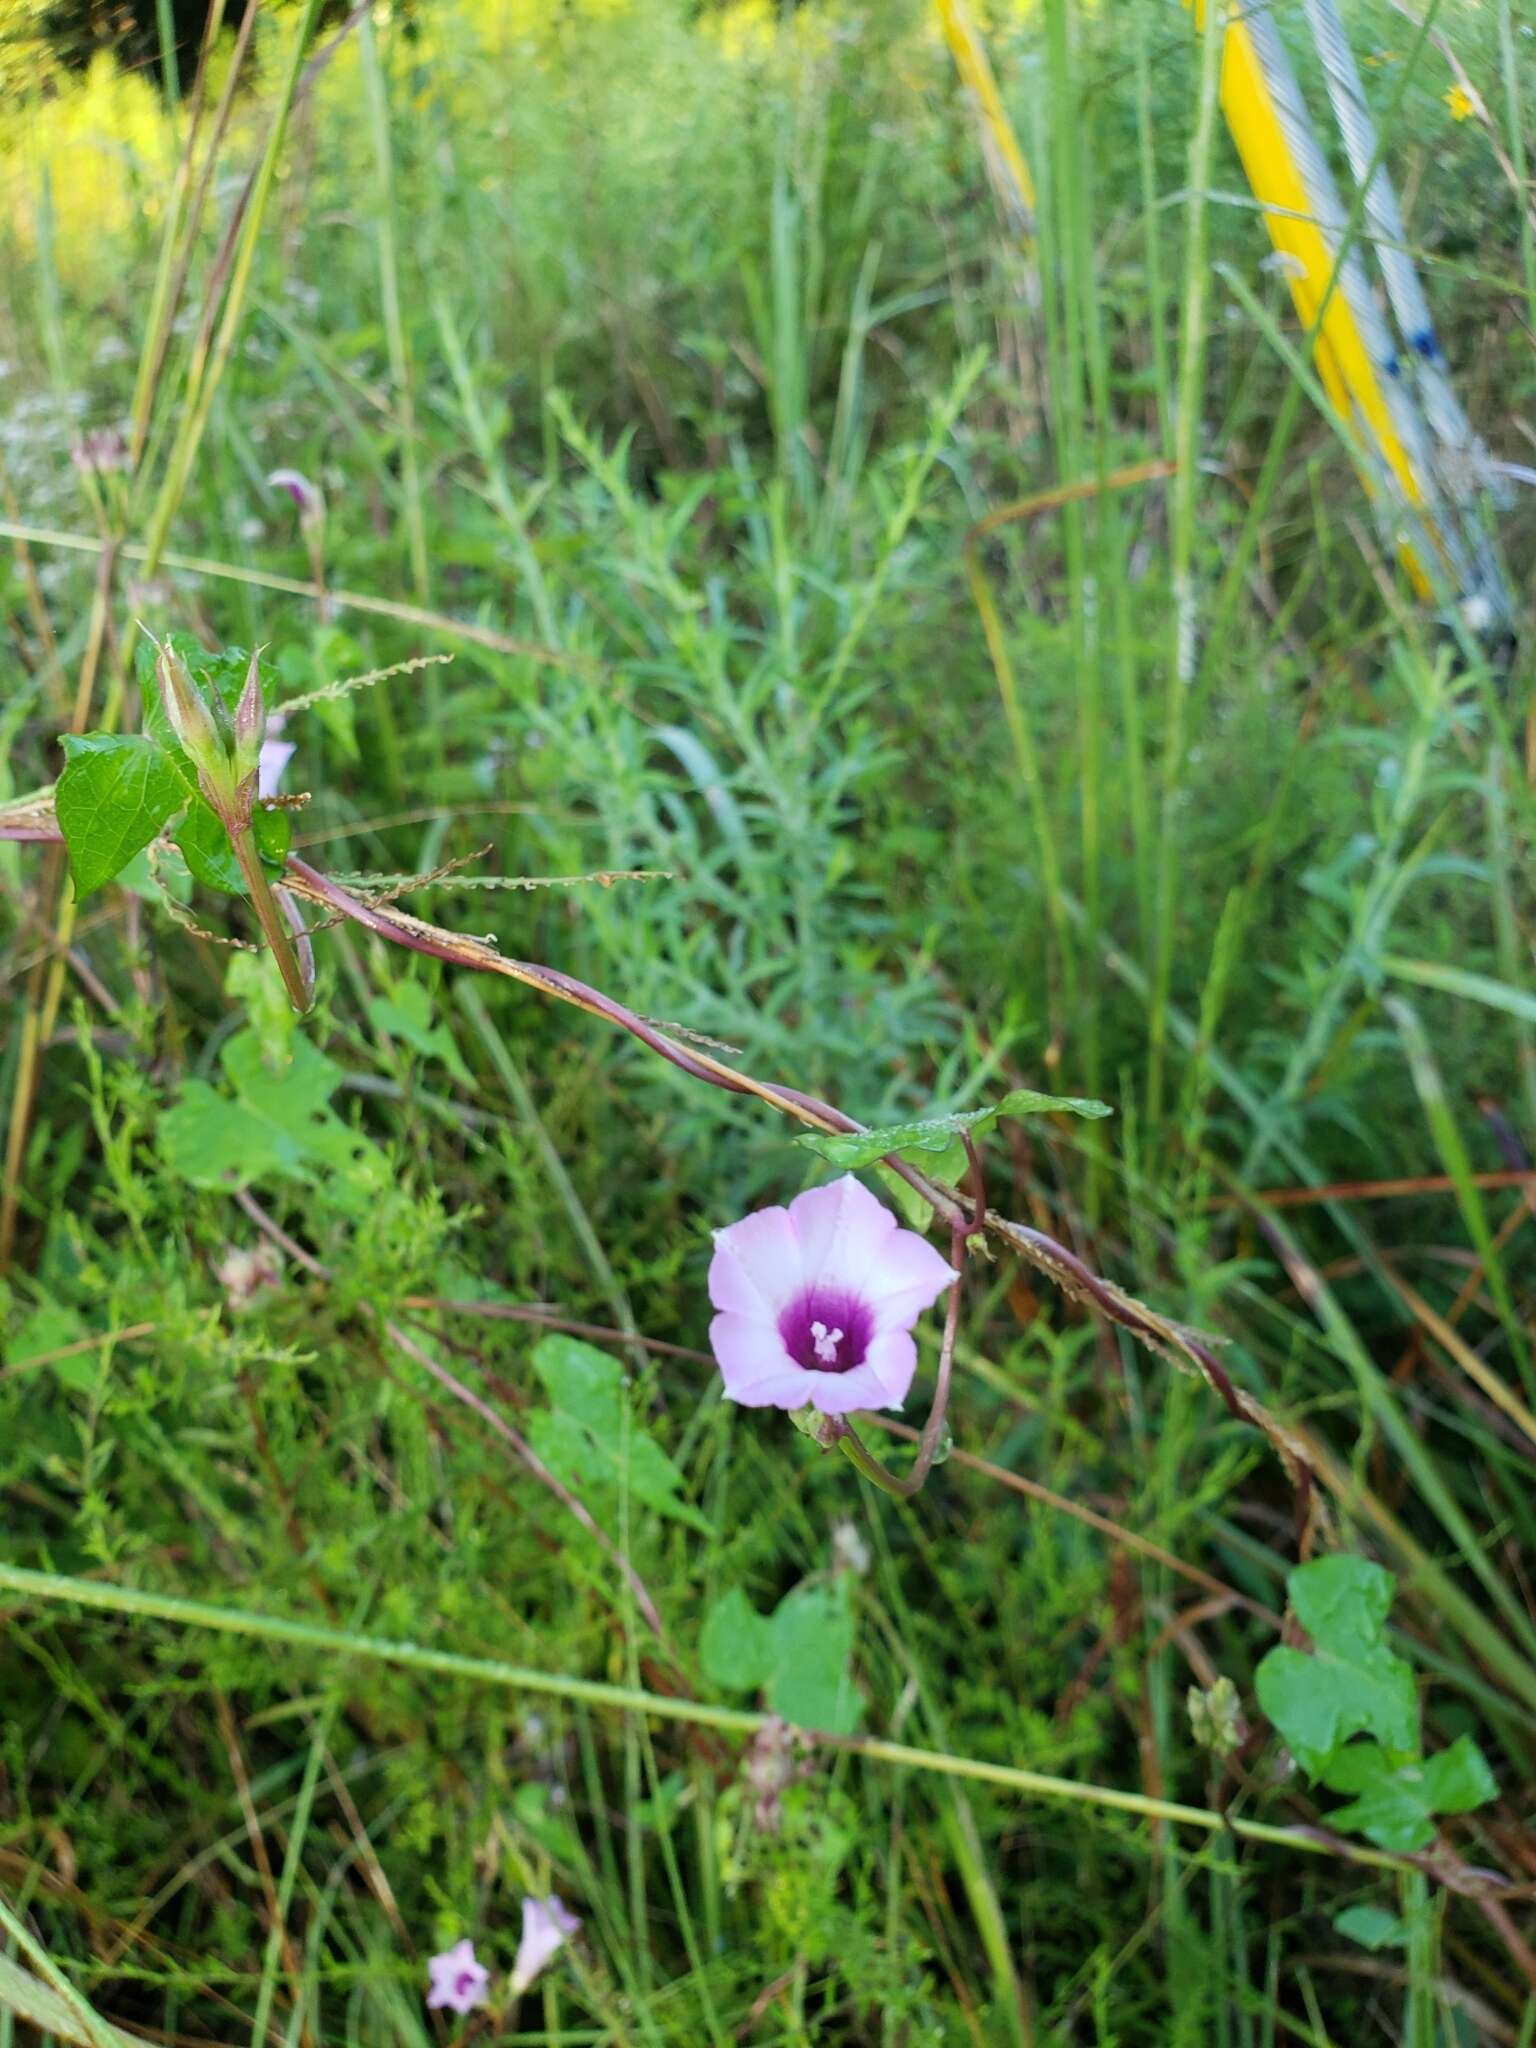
274,926
931,1443
225,752
858,1453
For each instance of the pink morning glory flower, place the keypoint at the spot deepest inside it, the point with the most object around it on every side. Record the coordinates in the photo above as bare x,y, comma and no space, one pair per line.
547,1925
457,1980
817,1301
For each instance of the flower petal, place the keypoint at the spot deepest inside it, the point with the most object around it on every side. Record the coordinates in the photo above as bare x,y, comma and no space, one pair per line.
457,1980
839,1393
900,1309
757,1370
848,1236
757,1266
842,1230
892,1359
547,1925
909,1275
270,763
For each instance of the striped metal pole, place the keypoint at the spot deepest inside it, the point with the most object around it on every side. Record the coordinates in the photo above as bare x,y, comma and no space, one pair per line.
1398,425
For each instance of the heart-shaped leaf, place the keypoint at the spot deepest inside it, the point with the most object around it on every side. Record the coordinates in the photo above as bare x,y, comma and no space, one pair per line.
115,793
1351,1684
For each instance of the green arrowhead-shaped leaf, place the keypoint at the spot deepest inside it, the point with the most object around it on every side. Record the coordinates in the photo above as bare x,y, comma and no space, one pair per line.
214,1141
1396,1800
813,1631
799,1655
936,1134
736,1646
115,793
1352,1684
406,1015
1458,1779
1372,1926
581,1380
278,1121
1341,1601
586,1438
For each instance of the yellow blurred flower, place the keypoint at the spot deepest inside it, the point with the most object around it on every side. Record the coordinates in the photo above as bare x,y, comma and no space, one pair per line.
1460,102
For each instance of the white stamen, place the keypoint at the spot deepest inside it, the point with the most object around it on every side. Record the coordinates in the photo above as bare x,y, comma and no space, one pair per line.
824,1343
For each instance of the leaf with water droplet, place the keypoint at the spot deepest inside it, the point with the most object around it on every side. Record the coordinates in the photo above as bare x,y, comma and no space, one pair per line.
926,1138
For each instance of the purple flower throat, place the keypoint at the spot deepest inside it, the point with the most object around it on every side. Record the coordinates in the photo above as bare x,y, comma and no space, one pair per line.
826,1330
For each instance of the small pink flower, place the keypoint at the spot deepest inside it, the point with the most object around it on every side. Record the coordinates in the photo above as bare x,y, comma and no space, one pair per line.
547,1925
817,1302
458,1981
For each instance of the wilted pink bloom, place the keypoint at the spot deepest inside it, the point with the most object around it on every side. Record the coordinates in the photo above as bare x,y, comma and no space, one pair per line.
458,1981
817,1302
303,493
547,1926
101,450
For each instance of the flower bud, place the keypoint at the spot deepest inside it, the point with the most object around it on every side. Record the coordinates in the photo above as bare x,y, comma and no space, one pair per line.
823,1430
201,723
305,495
1216,1717
185,705
250,724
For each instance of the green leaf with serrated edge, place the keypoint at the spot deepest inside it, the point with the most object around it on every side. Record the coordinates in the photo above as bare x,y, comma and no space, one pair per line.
921,1139
1351,1684
115,793
736,1646
1372,1926
813,1633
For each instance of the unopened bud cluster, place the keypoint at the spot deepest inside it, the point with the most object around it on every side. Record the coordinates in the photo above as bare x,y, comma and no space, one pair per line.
224,750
